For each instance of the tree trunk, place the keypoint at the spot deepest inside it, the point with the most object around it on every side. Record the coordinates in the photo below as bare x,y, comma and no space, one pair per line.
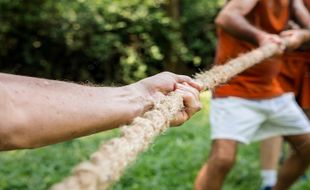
173,10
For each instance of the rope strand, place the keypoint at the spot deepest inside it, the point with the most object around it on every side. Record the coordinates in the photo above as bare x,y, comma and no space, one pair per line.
107,165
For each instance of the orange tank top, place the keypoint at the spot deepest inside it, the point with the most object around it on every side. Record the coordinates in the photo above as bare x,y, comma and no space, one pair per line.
307,4
258,82
305,49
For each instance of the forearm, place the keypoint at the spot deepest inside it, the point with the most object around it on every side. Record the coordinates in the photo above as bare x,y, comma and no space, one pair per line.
238,26
307,36
41,112
301,13
306,40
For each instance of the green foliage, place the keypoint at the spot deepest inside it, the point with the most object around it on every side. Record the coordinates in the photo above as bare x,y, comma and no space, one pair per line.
103,40
198,29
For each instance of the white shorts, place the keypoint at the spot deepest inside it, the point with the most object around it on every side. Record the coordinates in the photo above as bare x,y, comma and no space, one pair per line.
247,120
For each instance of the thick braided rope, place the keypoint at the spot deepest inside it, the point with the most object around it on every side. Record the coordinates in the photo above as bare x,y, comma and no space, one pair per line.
108,164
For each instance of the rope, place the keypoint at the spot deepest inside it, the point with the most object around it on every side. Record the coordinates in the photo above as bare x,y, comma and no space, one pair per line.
107,165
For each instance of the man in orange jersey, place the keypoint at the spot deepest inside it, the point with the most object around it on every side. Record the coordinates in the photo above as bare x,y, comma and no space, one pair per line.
253,106
294,77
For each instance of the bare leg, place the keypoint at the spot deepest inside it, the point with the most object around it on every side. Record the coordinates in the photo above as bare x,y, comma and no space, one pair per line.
221,160
270,150
297,163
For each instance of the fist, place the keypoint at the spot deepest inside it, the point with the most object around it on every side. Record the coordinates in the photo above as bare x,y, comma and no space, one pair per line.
191,103
161,84
266,38
294,38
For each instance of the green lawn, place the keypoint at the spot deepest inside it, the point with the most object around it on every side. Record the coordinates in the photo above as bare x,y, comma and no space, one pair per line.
171,163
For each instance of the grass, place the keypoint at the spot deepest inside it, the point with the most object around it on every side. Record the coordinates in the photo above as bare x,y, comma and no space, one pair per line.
171,163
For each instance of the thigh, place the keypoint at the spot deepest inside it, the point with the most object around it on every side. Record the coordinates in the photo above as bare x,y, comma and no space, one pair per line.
287,119
224,146
300,144
235,119
224,151
289,115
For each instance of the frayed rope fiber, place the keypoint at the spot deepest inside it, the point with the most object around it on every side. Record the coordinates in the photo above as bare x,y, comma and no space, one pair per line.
107,165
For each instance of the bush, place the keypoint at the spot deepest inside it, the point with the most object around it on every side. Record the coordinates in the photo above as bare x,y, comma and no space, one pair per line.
120,41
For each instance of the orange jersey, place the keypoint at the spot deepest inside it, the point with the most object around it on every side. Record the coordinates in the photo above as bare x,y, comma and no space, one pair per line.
295,76
258,82
295,73
307,3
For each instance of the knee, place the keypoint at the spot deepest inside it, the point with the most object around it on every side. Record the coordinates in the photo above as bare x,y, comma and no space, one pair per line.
222,161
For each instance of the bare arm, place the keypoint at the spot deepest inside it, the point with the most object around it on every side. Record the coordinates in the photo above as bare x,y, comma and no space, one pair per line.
296,38
301,13
36,112
232,19
299,37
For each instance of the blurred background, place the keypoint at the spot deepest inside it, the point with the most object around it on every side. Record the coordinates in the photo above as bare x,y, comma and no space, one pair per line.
116,42
106,41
